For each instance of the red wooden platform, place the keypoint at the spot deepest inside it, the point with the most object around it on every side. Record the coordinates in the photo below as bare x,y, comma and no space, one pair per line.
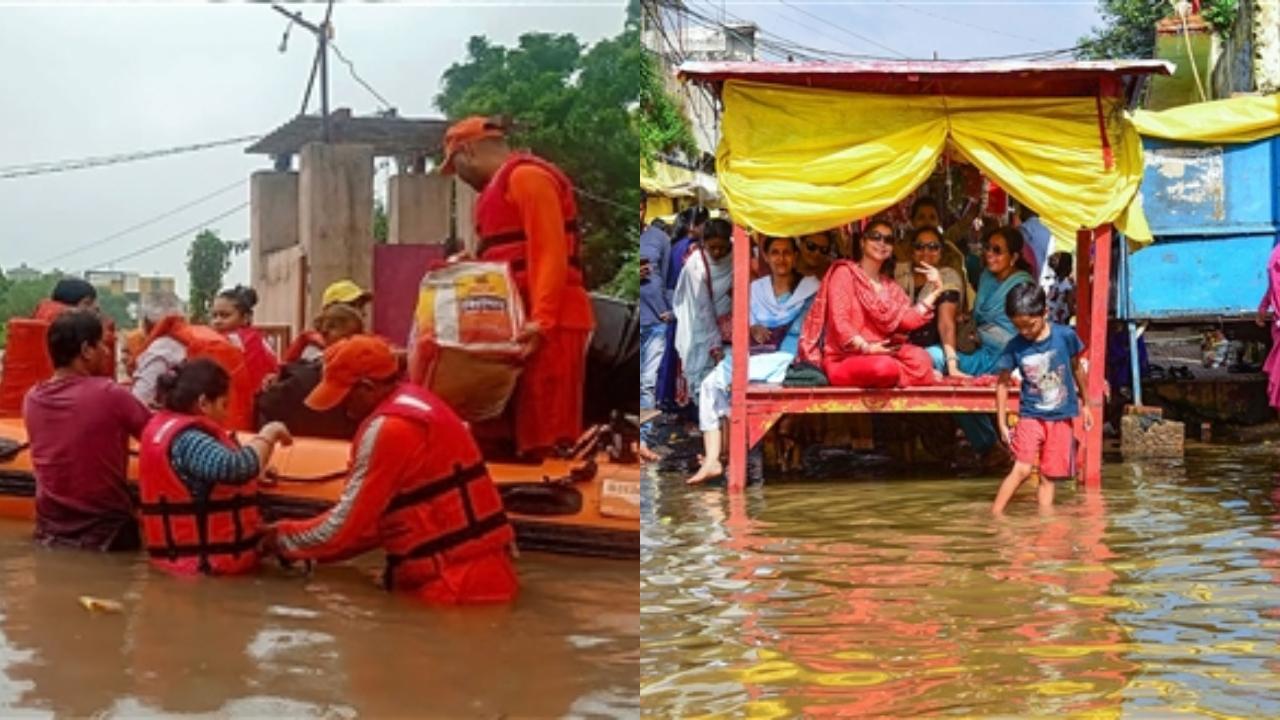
757,407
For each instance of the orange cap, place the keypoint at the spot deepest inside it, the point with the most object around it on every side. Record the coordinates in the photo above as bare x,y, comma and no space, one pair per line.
348,361
467,131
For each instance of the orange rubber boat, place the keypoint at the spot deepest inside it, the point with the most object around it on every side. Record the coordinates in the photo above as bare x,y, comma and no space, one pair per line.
589,506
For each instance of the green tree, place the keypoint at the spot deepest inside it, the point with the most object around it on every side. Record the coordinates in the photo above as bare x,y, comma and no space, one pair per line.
1128,30
573,106
116,307
381,225
660,123
208,259
19,298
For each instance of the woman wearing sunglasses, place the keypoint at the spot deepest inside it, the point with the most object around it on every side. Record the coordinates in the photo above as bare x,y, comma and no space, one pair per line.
938,337
858,324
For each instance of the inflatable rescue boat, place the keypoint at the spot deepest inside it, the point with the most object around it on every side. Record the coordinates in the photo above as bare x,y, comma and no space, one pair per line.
589,506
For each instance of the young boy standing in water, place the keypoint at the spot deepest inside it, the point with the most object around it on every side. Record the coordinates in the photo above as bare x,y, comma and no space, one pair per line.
1048,357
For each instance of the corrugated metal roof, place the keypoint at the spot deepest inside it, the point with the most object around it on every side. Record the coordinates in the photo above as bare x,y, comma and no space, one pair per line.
955,77
387,135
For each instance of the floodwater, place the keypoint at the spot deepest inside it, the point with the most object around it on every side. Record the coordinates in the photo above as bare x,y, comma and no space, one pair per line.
332,645
894,598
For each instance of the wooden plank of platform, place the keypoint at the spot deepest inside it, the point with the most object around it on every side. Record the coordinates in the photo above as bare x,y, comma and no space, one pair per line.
766,403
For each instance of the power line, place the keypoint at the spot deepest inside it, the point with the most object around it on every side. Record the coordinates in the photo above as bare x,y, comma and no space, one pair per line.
145,223
605,200
843,29
176,236
352,68
975,26
57,166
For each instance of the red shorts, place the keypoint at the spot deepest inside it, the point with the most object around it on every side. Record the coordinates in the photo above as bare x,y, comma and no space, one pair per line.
1049,444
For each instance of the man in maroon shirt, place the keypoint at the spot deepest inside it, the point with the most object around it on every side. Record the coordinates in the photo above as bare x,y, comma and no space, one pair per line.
79,425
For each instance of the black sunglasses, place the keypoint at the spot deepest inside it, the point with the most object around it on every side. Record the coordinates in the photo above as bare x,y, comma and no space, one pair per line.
928,246
814,247
875,236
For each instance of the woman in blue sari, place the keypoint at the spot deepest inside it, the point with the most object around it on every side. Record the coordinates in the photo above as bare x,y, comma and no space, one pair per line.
1002,254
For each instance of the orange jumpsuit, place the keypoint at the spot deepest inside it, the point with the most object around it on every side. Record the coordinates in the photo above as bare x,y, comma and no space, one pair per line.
548,401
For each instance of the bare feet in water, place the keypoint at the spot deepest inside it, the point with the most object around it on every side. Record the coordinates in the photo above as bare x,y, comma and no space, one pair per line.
710,470
647,455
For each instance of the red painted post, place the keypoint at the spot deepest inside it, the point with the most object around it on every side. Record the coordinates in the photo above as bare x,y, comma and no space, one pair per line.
738,416
1084,298
1096,343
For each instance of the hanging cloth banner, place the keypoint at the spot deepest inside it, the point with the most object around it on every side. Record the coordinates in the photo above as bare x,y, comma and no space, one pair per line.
794,160
1243,119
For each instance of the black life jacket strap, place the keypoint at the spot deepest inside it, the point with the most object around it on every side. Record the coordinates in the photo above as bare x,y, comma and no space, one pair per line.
457,480
445,542
489,242
173,551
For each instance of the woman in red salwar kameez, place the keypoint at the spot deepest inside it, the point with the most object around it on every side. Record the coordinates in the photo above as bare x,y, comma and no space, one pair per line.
858,338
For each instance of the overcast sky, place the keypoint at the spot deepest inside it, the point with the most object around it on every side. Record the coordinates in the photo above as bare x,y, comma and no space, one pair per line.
91,79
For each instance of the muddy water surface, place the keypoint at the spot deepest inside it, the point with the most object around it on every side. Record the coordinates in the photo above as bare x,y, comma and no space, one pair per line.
894,598
333,645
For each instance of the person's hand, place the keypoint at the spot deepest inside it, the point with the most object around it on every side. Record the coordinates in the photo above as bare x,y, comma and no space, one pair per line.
1261,319
931,274
530,337
666,317
953,368
1088,418
268,380
1003,424
460,256
884,347
760,333
276,432
717,353
269,543
645,271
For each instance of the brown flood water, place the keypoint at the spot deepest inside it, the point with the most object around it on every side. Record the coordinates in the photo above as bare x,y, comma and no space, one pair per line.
903,597
333,645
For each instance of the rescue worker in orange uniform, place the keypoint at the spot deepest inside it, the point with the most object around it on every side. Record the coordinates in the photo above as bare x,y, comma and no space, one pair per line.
418,488
527,216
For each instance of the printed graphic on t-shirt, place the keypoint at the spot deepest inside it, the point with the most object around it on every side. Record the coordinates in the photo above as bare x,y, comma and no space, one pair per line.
1040,371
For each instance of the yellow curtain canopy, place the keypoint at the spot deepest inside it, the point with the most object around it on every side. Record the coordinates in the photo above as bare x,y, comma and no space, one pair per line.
1238,120
798,160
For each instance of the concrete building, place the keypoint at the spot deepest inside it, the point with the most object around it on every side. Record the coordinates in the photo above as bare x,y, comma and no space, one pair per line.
22,273
728,42
313,225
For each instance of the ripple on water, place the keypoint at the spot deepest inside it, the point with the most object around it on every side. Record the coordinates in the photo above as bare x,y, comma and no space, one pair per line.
1156,597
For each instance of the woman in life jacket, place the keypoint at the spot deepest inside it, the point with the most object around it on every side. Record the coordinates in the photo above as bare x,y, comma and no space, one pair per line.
232,315
198,486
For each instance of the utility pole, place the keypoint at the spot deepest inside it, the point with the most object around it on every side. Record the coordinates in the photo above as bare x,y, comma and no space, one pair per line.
323,32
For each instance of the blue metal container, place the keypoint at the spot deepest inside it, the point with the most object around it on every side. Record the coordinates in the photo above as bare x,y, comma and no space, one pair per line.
1215,213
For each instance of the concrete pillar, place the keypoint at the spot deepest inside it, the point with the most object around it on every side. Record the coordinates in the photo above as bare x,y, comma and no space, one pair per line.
1266,46
420,205
464,215
273,210
335,209
273,227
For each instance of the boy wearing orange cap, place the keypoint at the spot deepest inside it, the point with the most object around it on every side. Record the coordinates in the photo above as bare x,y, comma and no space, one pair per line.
527,216
418,487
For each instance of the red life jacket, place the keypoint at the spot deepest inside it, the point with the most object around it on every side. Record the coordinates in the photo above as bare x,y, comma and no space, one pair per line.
300,345
450,512
204,342
26,356
215,536
501,232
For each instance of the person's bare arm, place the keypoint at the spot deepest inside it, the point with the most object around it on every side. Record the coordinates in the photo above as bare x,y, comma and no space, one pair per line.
1002,406
1082,375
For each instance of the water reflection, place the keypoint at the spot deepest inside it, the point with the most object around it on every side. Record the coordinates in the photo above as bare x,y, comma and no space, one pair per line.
904,597
333,645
